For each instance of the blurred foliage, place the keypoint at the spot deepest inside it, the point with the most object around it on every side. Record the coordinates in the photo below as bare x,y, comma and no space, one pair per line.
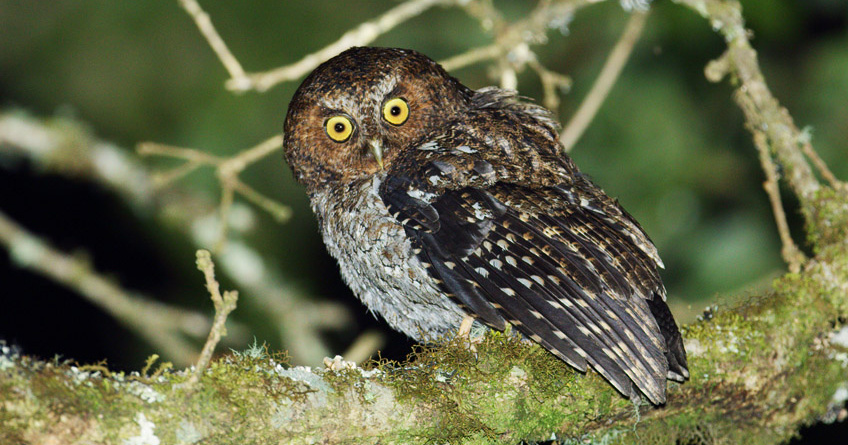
671,146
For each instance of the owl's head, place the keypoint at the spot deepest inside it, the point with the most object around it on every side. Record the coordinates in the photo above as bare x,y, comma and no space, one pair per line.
352,116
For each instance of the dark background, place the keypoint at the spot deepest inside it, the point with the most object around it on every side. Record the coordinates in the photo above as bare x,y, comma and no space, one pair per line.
670,145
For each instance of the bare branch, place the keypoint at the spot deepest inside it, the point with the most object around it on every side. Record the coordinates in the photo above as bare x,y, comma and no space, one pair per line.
164,179
552,83
363,34
189,154
472,56
227,195
204,23
280,212
364,347
605,81
791,254
820,164
228,171
258,152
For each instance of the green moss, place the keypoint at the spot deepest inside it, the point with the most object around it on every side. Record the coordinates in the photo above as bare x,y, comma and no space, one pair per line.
827,218
500,388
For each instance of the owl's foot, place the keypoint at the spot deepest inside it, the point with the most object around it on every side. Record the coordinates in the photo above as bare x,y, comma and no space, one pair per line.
470,334
465,327
337,363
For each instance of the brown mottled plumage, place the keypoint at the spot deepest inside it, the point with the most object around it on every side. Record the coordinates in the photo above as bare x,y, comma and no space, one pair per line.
439,201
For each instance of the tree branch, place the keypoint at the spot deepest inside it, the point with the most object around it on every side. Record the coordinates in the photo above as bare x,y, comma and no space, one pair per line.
585,114
759,371
363,34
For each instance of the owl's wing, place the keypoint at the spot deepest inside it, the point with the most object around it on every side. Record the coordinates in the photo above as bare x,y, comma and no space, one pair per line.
551,262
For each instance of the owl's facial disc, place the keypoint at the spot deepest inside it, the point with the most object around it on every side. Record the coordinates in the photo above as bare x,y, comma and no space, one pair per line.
357,113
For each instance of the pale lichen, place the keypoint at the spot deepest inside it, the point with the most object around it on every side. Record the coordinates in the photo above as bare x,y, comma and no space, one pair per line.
146,434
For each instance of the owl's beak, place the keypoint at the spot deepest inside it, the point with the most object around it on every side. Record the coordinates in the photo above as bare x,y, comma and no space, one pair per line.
377,151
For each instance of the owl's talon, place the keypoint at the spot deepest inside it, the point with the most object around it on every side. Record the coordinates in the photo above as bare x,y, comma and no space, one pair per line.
465,327
338,363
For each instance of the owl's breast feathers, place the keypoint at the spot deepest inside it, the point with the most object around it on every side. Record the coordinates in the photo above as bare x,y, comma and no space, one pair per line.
513,232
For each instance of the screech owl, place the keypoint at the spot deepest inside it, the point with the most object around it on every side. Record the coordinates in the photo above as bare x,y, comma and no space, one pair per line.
439,201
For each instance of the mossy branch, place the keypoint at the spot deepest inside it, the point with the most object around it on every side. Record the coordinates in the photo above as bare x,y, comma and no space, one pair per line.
760,370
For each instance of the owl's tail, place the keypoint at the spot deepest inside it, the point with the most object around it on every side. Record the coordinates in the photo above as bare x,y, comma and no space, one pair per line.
678,369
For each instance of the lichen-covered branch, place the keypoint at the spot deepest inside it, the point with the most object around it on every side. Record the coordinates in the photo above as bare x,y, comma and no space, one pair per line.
760,370
762,110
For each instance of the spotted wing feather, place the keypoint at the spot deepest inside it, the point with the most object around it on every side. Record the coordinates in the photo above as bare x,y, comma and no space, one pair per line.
558,273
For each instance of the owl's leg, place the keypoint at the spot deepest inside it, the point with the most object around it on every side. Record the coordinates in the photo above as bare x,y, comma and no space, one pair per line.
465,327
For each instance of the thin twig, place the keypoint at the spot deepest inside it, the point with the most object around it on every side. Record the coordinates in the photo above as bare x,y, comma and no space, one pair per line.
189,154
204,23
224,304
790,252
280,212
472,56
603,84
363,34
552,83
821,165
261,150
228,171
488,15
163,179
508,76
227,192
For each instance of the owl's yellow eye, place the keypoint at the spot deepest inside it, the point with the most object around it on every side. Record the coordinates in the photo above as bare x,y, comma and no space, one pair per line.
396,111
339,128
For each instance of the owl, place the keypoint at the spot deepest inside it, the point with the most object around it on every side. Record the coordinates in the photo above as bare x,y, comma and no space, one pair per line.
440,202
